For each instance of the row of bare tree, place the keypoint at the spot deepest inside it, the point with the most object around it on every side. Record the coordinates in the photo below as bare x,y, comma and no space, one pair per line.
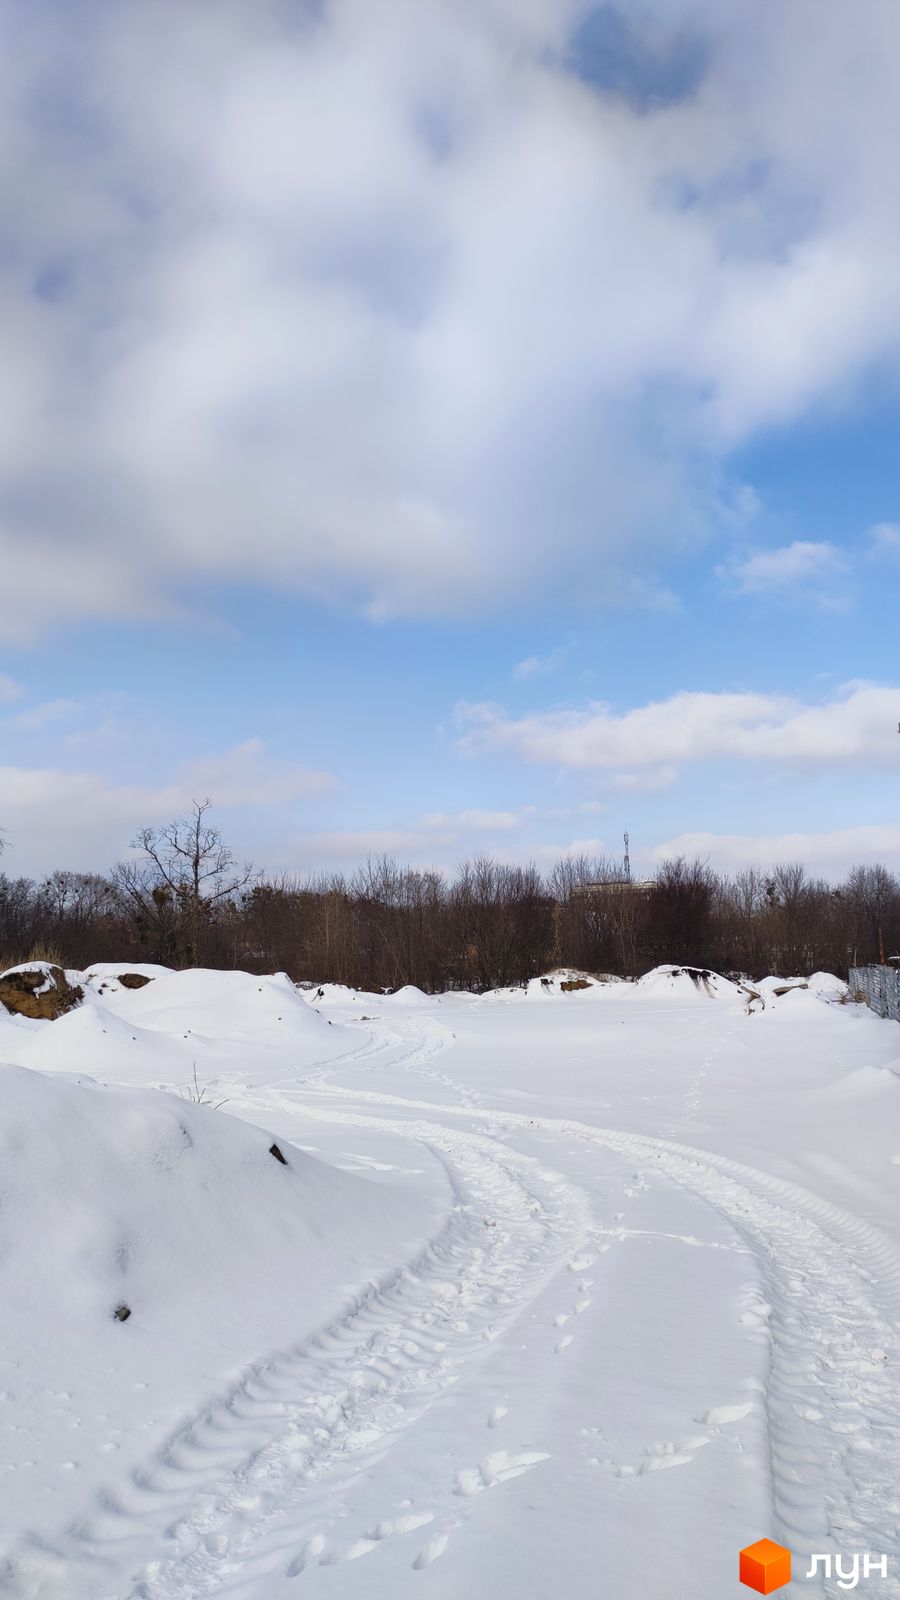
183,900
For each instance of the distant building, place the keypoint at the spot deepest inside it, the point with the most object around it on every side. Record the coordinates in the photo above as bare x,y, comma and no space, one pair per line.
638,887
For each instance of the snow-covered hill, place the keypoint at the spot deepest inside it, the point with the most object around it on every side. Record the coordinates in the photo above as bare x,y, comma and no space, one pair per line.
220,1023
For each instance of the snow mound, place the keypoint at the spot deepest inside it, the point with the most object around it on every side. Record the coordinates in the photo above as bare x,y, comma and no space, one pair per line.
408,996
104,1043
339,994
866,1082
689,983
827,986
149,1250
108,977
127,1196
220,1005
217,1024
564,982
775,988
793,991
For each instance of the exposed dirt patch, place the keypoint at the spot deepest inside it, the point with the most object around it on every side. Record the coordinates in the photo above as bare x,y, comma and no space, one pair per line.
568,984
42,993
699,977
133,980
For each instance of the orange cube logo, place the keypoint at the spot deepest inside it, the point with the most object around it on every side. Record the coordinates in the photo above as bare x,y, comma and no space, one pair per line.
765,1566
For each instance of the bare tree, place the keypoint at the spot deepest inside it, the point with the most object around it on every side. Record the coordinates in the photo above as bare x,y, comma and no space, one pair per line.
874,894
681,911
185,877
182,898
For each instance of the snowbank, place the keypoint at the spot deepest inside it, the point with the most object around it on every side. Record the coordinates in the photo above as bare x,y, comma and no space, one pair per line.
108,977
226,1005
565,982
820,986
218,1022
827,986
149,1249
95,1040
691,984
408,997
129,1195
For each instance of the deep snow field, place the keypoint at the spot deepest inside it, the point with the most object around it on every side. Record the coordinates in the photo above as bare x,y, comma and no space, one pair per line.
552,1293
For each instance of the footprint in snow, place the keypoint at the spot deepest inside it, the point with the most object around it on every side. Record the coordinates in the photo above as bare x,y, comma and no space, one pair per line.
312,1551
659,1463
497,1469
720,1414
392,1526
432,1552
389,1528
659,1457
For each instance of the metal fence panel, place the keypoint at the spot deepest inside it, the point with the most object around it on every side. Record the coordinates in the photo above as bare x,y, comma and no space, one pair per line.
881,988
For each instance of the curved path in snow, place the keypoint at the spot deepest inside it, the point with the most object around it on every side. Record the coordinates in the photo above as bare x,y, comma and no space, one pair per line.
243,1489
334,1405
833,1399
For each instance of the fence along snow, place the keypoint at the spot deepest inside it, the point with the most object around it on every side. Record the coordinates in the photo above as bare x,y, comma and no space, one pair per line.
881,988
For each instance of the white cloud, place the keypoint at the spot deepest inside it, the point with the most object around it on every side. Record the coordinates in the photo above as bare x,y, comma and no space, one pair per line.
480,821
387,304
858,726
885,539
829,853
9,689
75,819
804,569
545,855
537,666
81,820
48,712
647,780
438,835
245,776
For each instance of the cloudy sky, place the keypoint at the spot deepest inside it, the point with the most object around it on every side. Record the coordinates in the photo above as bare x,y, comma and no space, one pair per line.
444,425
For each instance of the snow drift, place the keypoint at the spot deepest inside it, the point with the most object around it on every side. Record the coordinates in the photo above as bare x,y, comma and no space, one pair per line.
690,983
126,1195
161,1031
149,1249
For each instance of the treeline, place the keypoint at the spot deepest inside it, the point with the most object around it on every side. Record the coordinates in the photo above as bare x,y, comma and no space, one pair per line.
182,900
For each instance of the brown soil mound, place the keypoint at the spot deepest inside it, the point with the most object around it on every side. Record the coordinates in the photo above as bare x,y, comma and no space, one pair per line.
569,985
18,993
133,980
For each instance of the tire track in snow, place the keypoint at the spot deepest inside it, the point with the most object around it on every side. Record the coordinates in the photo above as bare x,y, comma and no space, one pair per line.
230,1475
833,1397
419,1049
237,1478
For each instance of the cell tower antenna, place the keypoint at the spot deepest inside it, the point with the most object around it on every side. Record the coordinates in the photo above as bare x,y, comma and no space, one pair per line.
627,862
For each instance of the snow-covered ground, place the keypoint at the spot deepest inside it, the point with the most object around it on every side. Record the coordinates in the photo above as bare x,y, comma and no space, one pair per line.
557,1290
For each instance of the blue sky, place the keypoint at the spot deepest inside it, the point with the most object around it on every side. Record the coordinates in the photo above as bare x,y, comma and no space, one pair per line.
451,429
